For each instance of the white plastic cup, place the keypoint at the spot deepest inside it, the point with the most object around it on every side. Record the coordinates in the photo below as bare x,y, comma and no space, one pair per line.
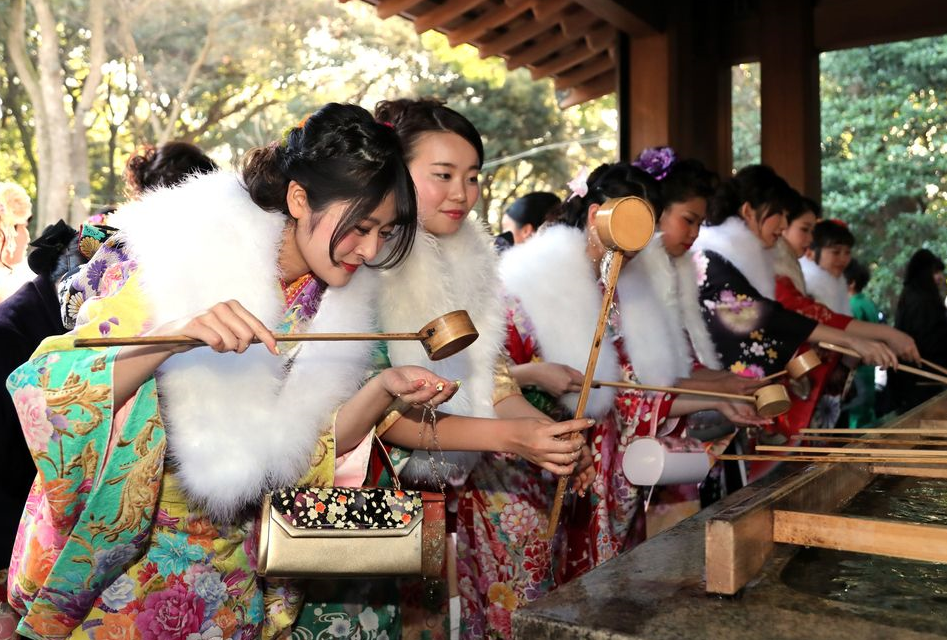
647,463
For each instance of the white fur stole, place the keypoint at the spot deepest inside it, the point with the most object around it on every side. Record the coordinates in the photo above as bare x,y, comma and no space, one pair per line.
826,288
733,241
787,265
240,424
443,274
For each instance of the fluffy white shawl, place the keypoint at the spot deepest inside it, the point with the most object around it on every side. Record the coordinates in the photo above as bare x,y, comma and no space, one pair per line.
240,424
826,288
445,274
787,264
660,314
735,242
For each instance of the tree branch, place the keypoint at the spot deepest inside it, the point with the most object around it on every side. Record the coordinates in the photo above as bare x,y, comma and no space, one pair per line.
189,80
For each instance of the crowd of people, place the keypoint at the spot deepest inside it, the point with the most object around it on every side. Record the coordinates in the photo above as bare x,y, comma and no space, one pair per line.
133,474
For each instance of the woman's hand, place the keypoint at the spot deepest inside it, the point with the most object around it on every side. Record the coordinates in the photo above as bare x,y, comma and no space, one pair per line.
585,472
742,413
417,386
902,344
554,446
723,381
873,352
553,378
227,326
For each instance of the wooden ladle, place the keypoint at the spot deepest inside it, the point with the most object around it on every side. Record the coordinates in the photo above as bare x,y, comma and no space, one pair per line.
771,400
798,366
441,337
901,367
622,224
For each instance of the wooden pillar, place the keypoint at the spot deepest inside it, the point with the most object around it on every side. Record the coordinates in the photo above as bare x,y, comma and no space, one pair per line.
679,88
789,91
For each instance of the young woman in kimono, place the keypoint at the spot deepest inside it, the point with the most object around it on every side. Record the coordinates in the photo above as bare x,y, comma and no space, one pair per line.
141,522
554,299
792,291
452,266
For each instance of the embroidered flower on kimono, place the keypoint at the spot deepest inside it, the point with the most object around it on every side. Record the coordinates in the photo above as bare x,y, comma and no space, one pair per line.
738,367
339,628
737,312
255,610
757,349
31,409
518,520
754,371
368,620
700,264
120,592
117,626
112,557
174,555
501,594
209,586
170,614
94,271
112,278
212,632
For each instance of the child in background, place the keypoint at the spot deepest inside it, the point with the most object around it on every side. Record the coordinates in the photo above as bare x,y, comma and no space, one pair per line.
861,410
824,264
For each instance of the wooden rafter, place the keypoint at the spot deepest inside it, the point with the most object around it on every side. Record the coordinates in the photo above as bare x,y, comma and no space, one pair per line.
517,35
636,18
578,23
443,14
601,64
387,8
494,17
594,88
566,59
549,44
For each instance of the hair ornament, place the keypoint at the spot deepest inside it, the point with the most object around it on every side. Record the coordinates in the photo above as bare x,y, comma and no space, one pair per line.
839,222
579,184
655,161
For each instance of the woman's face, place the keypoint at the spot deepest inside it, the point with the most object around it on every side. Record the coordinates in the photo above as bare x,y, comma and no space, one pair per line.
835,258
799,233
520,234
680,223
769,229
446,173
304,252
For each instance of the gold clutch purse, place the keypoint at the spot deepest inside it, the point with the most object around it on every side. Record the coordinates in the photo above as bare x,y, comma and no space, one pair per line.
351,532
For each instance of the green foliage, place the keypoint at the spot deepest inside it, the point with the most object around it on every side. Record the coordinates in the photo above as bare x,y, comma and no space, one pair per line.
884,153
745,101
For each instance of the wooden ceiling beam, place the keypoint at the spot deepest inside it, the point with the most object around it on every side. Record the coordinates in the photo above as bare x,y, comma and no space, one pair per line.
634,17
443,14
388,8
538,51
516,36
565,60
489,19
586,72
601,38
595,88
542,9
576,24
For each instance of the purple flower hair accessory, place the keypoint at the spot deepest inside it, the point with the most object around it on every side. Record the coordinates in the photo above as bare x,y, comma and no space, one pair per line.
656,161
579,184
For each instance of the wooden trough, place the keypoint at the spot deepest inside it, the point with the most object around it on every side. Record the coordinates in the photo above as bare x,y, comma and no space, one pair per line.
801,510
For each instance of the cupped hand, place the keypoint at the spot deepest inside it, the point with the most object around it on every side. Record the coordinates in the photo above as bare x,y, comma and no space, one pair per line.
903,345
743,413
226,326
554,446
417,385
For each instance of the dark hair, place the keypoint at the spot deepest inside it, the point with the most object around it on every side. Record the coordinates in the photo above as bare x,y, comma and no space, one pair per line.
830,233
857,275
610,181
919,274
758,185
805,205
152,167
338,154
413,118
686,179
533,208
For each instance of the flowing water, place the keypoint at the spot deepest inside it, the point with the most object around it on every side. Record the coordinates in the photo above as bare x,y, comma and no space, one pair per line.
877,581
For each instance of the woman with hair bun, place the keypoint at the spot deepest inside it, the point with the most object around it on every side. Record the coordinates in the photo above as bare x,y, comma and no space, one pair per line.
153,167
15,213
141,522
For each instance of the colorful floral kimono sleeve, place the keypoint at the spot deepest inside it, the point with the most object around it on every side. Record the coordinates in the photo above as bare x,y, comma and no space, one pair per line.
755,336
92,503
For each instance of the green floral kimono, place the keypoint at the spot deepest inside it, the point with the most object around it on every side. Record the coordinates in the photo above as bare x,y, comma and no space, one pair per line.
108,547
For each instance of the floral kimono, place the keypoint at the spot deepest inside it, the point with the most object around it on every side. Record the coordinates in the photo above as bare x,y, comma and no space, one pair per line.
142,520
554,299
816,398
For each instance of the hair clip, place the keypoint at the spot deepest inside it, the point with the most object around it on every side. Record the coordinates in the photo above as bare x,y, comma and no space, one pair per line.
579,184
655,161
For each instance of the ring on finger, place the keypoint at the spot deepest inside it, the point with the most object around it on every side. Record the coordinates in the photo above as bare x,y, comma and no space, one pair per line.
439,387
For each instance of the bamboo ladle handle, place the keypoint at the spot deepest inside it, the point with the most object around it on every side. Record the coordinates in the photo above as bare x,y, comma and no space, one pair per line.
934,366
770,401
441,337
622,224
901,367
